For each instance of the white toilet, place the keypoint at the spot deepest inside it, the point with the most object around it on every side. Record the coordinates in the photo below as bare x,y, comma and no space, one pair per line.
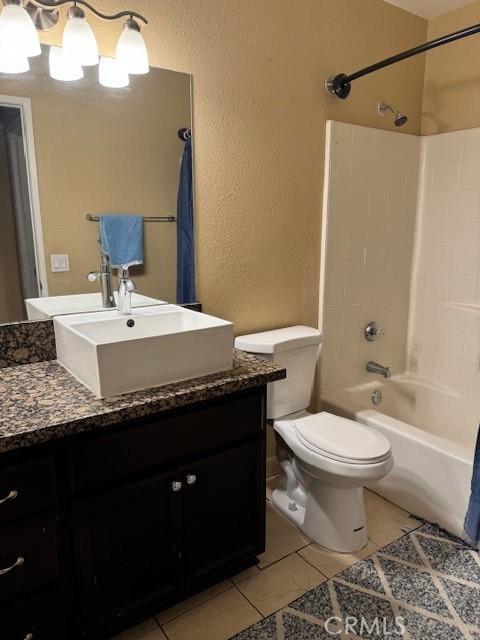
325,460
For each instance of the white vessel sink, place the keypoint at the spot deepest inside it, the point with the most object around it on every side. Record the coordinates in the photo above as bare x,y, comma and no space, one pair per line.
166,344
49,307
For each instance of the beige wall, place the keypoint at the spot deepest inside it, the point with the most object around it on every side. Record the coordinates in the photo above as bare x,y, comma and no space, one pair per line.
11,300
452,81
99,150
259,116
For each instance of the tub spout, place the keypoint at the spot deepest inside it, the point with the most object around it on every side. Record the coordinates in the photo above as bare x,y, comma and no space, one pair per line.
374,367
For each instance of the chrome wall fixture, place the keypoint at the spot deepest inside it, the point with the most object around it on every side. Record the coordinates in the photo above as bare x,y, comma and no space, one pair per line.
20,21
398,118
341,84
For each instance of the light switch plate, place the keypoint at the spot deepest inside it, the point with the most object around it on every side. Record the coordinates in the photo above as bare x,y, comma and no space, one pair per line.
59,263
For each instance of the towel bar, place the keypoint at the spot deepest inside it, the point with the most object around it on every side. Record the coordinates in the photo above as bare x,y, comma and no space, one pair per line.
91,218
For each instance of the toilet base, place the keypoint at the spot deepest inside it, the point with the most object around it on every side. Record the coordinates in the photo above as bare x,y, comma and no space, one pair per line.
333,517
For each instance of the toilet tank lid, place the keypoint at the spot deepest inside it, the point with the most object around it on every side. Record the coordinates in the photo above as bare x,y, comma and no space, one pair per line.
278,339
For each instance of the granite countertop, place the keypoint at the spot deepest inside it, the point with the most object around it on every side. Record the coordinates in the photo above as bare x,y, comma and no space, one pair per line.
42,402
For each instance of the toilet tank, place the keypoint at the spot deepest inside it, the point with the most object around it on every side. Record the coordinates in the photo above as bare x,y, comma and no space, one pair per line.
295,348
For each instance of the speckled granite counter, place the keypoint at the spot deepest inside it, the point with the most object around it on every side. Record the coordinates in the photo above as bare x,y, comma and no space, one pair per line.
42,402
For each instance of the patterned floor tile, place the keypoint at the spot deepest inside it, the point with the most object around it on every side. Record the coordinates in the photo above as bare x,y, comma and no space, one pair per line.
466,601
364,574
295,628
316,603
414,587
422,627
376,613
454,559
437,599
404,549
266,629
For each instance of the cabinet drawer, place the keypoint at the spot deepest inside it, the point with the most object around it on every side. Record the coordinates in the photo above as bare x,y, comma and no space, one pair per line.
40,618
28,557
163,439
26,488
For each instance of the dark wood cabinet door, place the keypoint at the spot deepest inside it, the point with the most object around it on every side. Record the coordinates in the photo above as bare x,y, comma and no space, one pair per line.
127,549
224,512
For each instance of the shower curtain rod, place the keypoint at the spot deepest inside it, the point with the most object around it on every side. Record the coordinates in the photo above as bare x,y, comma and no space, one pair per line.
340,84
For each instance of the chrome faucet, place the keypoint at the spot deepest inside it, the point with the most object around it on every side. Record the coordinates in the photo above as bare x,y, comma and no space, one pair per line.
126,286
374,367
104,276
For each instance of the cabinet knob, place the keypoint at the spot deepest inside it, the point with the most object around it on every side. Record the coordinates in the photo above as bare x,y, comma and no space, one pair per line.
191,478
10,496
176,486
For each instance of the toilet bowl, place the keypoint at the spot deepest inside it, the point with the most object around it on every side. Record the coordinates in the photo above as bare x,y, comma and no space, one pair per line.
324,460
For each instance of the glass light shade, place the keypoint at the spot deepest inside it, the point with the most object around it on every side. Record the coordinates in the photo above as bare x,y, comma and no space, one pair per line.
132,52
12,63
79,43
112,73
18,35
62,67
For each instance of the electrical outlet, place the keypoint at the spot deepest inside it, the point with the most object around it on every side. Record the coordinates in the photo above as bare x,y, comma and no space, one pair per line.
59,263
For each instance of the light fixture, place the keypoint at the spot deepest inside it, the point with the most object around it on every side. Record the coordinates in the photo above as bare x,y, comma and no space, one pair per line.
13,64
21,19
112,74
62,67
18,36
79,43
131,50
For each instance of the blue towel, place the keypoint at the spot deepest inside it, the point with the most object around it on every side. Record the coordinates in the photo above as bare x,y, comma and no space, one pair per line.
121,237
185,232
472,519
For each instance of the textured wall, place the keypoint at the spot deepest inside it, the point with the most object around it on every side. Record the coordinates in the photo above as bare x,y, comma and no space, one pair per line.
452,81
259,118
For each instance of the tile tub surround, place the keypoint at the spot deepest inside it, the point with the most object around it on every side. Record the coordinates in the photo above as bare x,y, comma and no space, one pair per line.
426,577
369,223
34,341
43,402
444,340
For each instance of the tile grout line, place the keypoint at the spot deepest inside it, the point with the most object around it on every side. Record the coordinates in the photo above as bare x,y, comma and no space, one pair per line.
312,565
160,624
251,603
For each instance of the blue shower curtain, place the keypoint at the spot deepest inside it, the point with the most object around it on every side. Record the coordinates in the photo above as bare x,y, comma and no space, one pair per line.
185,237
472,519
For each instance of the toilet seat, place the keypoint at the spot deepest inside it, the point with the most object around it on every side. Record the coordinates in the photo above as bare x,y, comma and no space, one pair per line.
341,439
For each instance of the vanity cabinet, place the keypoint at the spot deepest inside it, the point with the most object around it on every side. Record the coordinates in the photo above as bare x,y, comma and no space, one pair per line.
117,526
179,531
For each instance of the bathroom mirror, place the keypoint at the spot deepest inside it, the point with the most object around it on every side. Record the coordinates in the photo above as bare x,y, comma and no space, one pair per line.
69,149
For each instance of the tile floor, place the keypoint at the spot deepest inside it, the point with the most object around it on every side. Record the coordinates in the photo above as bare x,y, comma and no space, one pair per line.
290,566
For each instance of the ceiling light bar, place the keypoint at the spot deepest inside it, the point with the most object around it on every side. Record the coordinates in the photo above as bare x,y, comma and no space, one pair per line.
20,21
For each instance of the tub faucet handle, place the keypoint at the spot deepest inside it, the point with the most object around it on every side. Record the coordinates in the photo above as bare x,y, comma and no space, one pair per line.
373,331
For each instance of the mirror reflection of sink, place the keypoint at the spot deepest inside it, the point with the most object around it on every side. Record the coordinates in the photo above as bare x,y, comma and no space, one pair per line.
49,307
112,354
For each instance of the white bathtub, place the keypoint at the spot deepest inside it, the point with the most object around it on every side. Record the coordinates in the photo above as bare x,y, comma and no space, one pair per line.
432,432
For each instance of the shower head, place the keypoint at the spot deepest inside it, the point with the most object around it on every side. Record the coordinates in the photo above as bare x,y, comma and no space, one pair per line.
399,118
